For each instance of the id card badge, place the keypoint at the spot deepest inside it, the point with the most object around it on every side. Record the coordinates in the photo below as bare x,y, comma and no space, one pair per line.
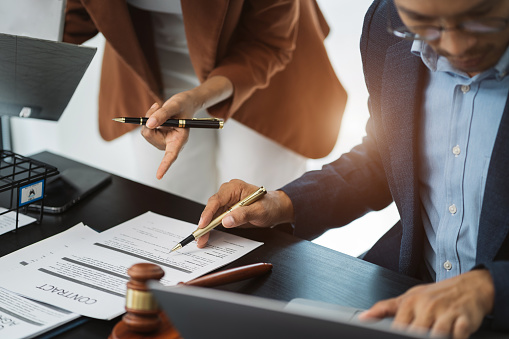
31,192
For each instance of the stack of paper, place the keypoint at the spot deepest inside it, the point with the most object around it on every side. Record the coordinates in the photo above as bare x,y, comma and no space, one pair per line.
24,318
88,276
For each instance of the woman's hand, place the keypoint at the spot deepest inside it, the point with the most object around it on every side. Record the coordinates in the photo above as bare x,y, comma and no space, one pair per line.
181,106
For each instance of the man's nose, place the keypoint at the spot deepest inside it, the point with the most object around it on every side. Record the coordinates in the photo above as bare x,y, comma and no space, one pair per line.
455,42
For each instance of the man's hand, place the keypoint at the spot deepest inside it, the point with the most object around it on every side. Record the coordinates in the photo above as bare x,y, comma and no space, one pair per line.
272,209
182,105
455,306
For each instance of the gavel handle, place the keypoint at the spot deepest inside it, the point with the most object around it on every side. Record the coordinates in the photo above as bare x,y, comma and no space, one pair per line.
230,275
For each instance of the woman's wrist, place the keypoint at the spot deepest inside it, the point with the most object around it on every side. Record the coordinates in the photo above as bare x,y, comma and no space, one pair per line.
211,92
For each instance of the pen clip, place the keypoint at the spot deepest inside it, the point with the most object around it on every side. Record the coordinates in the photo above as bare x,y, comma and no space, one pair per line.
207,119
253,197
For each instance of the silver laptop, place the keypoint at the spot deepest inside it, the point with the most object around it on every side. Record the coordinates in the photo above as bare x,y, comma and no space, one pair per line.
199,312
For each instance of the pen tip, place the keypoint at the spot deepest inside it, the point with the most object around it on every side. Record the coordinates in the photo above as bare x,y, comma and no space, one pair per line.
118,119
176,247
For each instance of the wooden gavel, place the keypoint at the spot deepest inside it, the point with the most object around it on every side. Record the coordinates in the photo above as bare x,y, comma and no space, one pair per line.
144,319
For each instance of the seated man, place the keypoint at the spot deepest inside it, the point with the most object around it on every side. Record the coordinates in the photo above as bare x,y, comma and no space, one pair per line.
436,144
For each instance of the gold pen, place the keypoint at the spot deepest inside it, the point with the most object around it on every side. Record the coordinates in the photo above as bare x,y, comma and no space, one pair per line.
217,221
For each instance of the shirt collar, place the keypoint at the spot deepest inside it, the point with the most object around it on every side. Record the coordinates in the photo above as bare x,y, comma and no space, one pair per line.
437,63
426,53
502,67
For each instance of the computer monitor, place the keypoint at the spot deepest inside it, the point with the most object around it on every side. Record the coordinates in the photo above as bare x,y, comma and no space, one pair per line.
38,77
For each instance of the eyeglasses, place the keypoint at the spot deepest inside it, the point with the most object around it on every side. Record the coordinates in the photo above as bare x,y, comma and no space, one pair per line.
430,32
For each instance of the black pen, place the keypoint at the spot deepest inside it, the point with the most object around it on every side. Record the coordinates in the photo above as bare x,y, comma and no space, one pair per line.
182,123
217,221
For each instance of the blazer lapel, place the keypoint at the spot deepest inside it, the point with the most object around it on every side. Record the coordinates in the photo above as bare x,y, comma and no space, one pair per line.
113,19
207,32
494,220
400,106
204,23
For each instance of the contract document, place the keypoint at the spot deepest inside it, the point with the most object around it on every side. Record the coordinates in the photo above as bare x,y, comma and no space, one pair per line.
90,278
45,248
24,318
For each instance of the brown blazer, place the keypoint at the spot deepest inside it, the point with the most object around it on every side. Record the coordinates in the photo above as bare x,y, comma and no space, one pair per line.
271,50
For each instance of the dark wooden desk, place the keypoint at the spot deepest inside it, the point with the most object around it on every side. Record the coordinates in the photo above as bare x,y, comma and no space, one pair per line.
301,269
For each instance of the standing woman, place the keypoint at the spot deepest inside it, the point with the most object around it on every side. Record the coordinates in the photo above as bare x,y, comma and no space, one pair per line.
260,62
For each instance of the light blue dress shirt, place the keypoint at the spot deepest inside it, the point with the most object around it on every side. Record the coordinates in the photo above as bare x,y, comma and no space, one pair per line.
459,124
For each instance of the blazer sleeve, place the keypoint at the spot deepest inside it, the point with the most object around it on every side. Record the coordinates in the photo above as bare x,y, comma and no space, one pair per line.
262,45
341,191
78,27
499,271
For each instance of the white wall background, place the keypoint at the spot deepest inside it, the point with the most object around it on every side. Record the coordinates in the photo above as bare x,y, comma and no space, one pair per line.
76,134
345,19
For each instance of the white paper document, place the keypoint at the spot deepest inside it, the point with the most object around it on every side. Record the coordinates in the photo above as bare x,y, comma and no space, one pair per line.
45,248
8,220
90,278
24,318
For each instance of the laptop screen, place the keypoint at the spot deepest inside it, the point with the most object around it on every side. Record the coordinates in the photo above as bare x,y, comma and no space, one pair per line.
199,312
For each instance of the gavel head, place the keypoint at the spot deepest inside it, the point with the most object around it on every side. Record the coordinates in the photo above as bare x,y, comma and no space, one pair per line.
142,310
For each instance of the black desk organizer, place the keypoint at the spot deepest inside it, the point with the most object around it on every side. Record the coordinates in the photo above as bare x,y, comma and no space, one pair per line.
24,180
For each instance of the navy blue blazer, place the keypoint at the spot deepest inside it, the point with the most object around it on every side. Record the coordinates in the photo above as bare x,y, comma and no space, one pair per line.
384,169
